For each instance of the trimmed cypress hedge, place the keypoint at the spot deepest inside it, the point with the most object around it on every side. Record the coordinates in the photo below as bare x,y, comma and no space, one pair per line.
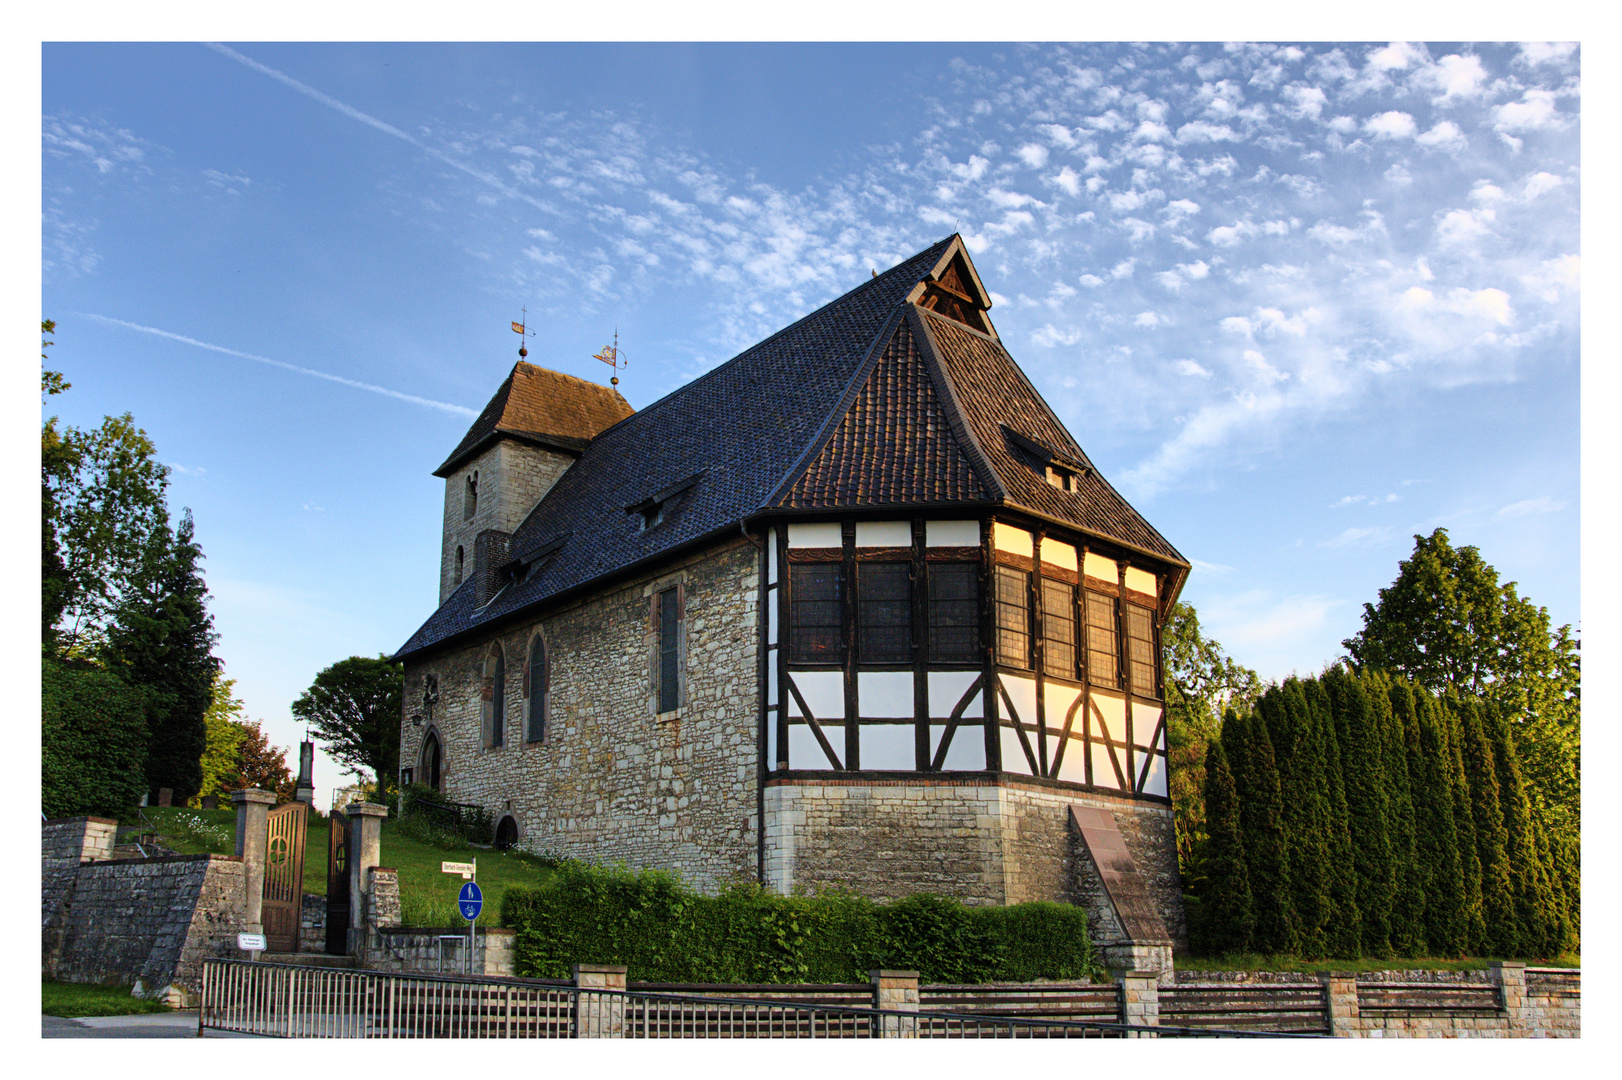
1374,819
663,931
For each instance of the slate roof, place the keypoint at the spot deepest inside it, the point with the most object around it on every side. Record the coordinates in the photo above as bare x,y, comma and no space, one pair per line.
546,407
868,401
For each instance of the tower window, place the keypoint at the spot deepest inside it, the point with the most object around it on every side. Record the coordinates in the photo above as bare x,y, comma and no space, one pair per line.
495,703
536,685
470,495
459,564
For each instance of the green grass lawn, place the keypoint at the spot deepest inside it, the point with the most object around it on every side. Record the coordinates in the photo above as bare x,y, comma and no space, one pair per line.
1259,962
83,999
427,897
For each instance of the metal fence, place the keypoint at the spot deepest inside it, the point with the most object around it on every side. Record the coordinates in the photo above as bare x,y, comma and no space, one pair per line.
287,1001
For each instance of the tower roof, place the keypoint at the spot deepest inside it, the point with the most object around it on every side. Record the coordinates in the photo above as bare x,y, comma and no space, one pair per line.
898,394
544,407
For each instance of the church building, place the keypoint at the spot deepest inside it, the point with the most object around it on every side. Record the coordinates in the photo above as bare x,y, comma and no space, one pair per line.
851,610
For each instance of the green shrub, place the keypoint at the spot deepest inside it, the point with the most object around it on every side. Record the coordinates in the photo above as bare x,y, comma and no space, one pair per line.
92,741
430,817
664,932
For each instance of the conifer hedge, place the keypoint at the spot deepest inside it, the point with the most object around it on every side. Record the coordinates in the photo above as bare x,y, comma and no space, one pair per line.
1359,815
665,932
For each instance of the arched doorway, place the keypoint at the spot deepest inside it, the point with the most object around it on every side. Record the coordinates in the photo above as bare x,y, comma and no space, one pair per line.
430,760
506,833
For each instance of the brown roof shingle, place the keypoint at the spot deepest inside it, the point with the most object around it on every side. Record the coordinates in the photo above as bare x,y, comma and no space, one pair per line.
541,406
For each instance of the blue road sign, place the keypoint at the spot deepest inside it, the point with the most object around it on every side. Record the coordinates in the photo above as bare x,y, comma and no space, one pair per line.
470,901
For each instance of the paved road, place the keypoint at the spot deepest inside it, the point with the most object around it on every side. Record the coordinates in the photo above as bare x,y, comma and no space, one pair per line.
180,1024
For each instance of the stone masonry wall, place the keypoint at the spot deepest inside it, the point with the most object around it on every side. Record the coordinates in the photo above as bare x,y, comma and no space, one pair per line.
151,921
613,780
984,842
64,844
513,477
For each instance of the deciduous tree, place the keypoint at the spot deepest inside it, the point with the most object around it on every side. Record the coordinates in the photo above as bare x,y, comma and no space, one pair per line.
353,707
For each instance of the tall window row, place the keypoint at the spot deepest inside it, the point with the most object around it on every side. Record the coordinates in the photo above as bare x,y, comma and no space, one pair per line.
1081,630
881,605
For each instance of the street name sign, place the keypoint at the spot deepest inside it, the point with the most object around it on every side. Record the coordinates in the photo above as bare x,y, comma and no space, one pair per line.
463,868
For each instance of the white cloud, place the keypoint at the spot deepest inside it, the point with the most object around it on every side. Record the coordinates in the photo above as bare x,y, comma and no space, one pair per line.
1174,212
1553,276
1033,155
1491,305
1068,180
1535,110
1390,125
1458,76
1398,174
1190,368
1148,320
1540,505
1546,52
1091,281
1201,131
1458,227
1304,102
1445,136
1140,230
1361,537
1048,336
1395,56
1538,183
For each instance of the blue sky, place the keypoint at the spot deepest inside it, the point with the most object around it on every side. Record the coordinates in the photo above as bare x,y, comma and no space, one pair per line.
1298,303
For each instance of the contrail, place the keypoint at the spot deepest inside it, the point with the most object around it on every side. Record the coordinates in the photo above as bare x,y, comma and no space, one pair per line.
285,366
372,121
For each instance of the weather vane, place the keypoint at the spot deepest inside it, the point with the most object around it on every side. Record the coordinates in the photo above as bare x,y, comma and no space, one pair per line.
522,328
611,356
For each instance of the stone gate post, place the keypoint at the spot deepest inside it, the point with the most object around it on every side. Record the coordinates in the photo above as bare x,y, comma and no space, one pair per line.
1140,1001
365,849
253,813
895,990
1340,998
599,1016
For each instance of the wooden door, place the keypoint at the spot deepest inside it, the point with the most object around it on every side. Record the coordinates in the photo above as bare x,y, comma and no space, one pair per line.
284,878
338,886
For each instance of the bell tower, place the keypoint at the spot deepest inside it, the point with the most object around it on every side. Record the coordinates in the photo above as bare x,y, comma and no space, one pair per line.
536,426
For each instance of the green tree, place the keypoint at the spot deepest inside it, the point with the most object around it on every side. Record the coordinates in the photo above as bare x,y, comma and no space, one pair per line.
1299,757
1249,750
161,640
1227,909
92,740
1447,622
1201,681
102,512
1437,840
1501,936
224,724
1357,729
354,708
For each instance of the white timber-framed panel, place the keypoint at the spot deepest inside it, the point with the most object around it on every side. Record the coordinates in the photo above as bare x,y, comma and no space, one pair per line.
1061,700
885,534
1140,581
1012,539
888,747
1097,566
960,534
815,534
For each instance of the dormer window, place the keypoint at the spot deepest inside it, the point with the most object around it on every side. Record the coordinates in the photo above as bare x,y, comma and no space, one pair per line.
1061,478
652,511
1058,471
470,496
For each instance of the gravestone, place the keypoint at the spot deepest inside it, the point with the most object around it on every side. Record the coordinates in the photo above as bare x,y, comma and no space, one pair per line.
166,797
211,802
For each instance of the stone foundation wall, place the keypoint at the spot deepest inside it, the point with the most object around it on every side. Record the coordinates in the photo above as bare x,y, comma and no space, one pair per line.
420,951
614,780
982,840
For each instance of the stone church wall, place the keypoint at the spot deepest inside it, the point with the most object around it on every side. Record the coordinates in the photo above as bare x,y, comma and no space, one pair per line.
984,842
613,780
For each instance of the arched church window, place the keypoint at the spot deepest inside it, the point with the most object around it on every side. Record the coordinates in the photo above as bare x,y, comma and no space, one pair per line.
536,689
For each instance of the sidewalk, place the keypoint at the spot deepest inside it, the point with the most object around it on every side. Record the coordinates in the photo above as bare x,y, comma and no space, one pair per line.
180,1024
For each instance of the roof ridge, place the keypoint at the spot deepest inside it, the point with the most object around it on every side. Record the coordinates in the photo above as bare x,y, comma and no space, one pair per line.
763,342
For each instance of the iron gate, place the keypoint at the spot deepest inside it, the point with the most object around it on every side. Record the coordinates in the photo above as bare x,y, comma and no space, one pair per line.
284,877
338,885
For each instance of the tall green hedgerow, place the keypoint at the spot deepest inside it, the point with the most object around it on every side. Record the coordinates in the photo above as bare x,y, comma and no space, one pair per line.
665,932
93,741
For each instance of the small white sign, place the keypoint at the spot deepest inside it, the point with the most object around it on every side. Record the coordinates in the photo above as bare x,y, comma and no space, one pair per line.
463,868
251,942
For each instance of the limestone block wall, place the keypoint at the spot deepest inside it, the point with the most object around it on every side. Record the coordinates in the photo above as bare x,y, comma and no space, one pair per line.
64,844
614,780
984,840
419,951
151,921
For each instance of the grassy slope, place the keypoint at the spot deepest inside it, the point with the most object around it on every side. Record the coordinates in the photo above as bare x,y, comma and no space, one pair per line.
427,897
1258,962
83,999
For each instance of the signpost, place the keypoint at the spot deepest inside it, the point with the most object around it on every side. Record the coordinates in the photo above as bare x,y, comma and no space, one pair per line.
252,944
470,901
